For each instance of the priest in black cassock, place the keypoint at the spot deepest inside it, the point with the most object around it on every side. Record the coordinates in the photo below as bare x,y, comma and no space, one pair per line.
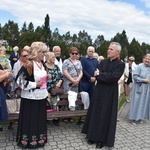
100,123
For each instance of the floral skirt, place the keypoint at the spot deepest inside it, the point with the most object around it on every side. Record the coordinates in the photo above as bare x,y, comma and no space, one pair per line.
32,124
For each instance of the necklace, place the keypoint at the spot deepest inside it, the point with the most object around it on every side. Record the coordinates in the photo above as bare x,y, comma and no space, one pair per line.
50,65
39,65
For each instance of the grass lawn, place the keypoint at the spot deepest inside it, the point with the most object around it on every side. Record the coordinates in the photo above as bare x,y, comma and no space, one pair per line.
122,101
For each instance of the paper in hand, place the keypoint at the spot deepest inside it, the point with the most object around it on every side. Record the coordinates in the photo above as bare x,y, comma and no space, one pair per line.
43,79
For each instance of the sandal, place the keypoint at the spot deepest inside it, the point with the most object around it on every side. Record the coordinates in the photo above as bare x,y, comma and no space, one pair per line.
65,120
71,120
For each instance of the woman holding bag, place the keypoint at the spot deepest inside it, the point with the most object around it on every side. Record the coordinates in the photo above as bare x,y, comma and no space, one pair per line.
54,82
72,71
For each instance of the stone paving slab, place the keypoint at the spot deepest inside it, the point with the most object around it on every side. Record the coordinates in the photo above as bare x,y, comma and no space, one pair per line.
69,137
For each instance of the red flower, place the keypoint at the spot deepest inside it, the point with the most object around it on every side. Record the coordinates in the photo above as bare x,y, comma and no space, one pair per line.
24,142
42,141
34,142
44,138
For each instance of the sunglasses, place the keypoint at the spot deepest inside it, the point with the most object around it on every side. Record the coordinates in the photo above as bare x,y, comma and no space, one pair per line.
74,53
24,55
43,52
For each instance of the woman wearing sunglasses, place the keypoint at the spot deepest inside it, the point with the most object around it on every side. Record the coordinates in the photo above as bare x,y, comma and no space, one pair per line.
21,62
72,71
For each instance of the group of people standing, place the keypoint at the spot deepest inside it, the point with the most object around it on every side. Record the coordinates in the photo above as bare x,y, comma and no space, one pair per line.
37,71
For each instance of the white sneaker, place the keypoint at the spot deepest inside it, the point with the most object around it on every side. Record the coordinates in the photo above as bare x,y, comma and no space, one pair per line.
127,100
141,121
133,123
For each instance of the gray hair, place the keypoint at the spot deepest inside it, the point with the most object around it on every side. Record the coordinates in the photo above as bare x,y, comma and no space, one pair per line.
91,47
16,48
56,47
147,54
118,46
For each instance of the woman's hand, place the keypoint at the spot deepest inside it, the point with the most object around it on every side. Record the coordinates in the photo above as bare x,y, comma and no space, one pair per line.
147,80
49,76
8,74
39,84
75,82
58,85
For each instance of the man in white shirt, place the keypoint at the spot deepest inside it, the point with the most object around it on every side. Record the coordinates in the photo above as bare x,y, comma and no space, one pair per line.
58,59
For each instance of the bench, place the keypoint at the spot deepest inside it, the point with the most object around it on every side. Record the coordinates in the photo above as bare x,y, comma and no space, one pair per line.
79,112
61,113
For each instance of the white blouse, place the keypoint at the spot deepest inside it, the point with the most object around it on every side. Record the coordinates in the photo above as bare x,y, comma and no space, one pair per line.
36,94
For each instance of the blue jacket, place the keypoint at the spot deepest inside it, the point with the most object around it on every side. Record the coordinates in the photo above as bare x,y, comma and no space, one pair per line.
89,65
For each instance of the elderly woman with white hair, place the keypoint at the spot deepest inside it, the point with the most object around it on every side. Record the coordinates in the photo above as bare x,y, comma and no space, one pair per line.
140,94
32,129
14,56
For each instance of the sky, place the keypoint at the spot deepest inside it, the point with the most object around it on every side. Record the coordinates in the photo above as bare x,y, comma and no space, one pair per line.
96,17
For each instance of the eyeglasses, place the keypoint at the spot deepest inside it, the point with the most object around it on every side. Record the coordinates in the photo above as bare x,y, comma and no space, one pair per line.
43,52
74,53
24,55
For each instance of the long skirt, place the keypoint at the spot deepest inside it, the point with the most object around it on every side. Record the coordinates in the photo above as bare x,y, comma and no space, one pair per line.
3,107
32,124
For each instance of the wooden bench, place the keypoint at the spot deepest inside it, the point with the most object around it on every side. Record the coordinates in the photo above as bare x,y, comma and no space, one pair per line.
61,113
79,112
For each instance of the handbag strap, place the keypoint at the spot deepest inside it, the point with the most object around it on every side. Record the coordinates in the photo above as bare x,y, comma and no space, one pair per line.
74,66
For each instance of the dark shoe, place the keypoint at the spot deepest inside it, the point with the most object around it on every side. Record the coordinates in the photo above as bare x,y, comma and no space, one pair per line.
10,125
90,142
1,128
99,145
48,121
56,122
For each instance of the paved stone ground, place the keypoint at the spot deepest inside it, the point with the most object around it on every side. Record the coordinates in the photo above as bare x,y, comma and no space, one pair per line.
69,137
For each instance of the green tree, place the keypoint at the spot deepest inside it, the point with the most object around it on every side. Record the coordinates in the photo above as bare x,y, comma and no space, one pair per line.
1,34
145,48
135,50
123,40
74,40
103,48
28,37
98,41
11,33
30,27
23,29
47,31
84,40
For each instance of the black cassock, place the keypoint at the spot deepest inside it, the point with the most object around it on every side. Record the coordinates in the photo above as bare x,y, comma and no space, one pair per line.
100,123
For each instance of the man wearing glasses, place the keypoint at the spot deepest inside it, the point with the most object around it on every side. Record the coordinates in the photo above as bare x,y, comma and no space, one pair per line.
58,59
